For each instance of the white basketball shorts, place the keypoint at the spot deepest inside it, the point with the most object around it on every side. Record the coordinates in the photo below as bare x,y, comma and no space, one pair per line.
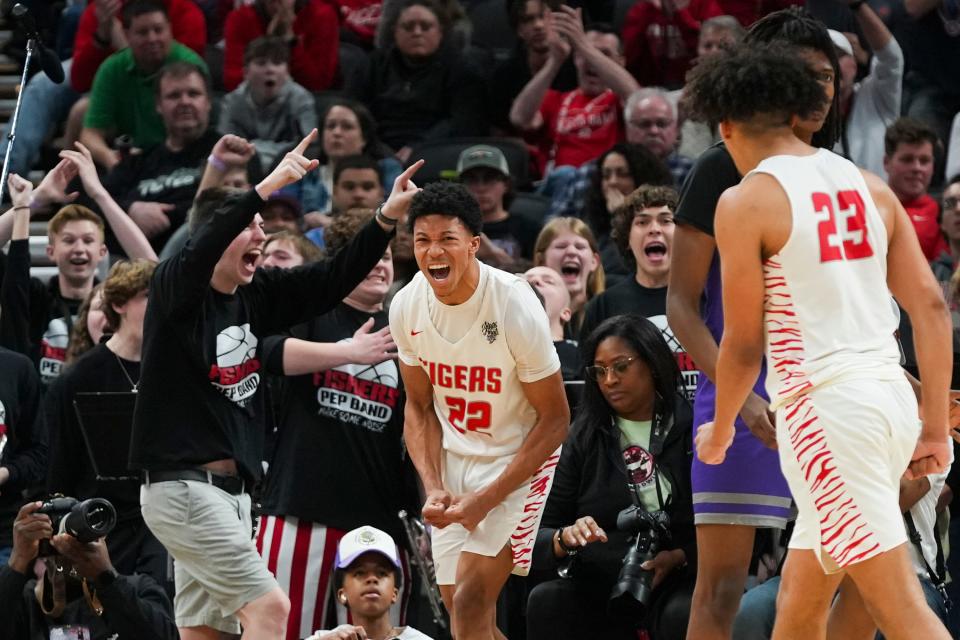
514,521
843,448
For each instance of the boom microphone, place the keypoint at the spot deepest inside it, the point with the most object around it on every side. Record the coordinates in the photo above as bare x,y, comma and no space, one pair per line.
49,61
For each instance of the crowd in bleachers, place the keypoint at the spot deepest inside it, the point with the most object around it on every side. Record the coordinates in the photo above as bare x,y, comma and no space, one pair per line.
564,121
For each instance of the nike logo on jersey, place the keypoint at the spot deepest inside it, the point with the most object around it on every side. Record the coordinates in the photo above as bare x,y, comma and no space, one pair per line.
415,333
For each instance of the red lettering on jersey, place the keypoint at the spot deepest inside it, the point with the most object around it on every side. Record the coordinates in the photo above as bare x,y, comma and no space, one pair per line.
443,375
460,377
493,380
477,378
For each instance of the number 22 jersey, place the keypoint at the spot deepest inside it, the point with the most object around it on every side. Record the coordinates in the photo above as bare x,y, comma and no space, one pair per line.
827,311
476,354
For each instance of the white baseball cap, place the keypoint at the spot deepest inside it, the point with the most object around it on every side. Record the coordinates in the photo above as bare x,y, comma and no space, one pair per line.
840,42
363,539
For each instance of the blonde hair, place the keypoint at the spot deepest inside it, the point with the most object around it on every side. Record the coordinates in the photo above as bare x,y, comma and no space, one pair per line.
72,213
596,281
300,243
126,279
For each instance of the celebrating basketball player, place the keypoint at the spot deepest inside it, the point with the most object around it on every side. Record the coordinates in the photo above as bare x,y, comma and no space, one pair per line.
198,428
810,248
486,411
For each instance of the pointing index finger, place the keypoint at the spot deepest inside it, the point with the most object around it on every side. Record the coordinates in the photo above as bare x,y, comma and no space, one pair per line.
302,146
408,172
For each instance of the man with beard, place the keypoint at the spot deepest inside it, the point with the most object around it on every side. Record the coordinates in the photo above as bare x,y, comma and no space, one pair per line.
157,187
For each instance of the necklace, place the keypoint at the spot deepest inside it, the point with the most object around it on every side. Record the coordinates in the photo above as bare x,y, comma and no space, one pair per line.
133,385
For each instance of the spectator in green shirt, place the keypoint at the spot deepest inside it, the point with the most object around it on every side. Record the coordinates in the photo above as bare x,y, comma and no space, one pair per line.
122,98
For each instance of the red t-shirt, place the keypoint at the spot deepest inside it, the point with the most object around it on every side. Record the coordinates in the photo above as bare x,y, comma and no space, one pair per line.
578,127
361,17
924,213
659,48
313,59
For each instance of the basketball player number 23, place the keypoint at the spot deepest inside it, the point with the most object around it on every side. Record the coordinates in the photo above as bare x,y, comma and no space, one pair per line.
468,416
851,242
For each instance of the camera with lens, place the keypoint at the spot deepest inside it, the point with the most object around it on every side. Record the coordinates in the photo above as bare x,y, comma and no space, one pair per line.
630,597
86,521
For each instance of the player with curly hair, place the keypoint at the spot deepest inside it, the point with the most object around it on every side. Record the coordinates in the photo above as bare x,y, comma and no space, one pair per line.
486,411
810,248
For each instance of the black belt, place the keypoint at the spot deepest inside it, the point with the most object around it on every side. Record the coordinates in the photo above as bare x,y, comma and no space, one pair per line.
231,484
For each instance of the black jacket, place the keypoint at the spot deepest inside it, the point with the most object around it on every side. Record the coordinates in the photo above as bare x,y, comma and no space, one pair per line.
134,607
591,480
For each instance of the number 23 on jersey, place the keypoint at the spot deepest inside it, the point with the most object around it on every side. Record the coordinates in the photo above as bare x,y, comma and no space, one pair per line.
842,226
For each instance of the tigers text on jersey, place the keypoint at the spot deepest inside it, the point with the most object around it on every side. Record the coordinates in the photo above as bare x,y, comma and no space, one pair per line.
476,376
827,312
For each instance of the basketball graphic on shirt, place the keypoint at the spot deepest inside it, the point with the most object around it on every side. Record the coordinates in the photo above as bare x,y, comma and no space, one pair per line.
236,372
688,370
53,349
235,345
361,394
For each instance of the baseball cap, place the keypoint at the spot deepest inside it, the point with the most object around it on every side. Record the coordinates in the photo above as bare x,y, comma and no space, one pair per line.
288,200
363,539
840,42
483,155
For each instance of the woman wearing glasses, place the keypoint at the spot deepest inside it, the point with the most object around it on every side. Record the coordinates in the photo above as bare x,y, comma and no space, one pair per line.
630,445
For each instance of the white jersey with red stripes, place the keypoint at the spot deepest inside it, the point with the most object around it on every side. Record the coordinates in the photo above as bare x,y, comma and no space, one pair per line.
504,340
827,311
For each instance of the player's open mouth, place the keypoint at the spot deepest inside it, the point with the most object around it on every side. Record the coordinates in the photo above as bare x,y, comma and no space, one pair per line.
439,271
79,261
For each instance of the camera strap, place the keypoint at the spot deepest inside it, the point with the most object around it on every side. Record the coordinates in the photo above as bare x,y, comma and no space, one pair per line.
938,576
51,589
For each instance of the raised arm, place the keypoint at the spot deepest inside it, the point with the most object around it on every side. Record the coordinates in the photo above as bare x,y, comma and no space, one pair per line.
525,111
874,31
129,235
569,25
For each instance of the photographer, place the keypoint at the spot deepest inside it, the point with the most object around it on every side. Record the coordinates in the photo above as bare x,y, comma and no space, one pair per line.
632,409
131,607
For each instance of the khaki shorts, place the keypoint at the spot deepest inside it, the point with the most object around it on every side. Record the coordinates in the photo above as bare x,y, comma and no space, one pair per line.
210,536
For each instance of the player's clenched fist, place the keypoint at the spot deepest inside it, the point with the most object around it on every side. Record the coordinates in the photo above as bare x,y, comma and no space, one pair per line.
712,443
435,508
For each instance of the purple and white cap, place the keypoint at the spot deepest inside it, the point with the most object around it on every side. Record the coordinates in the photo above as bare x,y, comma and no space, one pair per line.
363,539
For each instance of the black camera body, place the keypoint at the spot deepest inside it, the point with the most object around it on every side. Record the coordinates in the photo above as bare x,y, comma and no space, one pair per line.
86,521
630,596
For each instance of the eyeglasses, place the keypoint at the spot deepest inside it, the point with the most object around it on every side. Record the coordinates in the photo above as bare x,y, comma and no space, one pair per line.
618,368
410,25
950,202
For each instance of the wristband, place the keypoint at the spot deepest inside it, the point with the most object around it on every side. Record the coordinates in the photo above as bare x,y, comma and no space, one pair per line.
22,206
384,219
217,163
563,545
856,4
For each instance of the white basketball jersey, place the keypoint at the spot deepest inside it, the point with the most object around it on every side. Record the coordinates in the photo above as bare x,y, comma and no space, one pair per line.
476,380
827,311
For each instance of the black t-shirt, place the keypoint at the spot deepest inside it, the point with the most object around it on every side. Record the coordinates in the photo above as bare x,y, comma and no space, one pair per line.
21,423
160,175
201,364
71,469
339,458
629,296
712,174
36,319
516,236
